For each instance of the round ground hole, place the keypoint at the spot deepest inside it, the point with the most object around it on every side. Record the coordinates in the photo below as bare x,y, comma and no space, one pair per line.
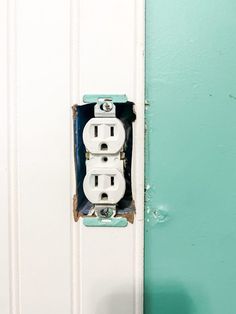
105,159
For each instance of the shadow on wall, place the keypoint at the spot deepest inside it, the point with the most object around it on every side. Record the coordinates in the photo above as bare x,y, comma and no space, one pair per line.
119,302
162,298
169,298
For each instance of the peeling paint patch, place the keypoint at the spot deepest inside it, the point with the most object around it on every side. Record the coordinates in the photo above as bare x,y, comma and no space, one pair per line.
157,215
150,192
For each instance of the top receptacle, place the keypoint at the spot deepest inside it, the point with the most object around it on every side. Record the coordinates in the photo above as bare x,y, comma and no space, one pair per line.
104,135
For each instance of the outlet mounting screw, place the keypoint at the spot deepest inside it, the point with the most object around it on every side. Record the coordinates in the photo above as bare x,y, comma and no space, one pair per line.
106,212
107,106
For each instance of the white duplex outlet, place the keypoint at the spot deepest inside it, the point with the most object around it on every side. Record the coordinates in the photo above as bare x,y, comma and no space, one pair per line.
104,135
104,182
104,185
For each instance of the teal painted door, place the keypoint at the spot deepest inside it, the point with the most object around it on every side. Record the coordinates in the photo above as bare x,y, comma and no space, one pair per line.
190,223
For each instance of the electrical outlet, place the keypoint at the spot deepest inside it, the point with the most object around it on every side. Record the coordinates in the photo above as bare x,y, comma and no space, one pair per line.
104,185
103,160
104,135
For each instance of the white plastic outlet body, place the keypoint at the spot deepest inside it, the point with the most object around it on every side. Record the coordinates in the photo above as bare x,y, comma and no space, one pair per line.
104,185
104,182
104,135
105,162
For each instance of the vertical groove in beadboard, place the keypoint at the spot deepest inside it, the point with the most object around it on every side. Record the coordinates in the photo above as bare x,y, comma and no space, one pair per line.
74,96
4,228
12,161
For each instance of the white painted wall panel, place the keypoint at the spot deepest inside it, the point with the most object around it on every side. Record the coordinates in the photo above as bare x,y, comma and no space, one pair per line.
4,183
43,114
45,69
109,48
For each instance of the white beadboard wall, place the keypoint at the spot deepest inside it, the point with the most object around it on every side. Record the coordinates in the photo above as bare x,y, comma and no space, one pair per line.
51,53
4,169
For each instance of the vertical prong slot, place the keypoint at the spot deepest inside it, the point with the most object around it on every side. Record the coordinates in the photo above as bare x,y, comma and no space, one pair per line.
95,180
112,131
95,131
112,181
